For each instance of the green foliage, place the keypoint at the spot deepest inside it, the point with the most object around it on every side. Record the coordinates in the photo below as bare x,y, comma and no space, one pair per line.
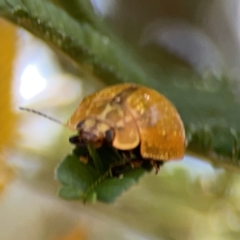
93,180
207,106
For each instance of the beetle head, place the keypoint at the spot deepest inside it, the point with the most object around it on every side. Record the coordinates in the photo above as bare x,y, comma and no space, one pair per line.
93,131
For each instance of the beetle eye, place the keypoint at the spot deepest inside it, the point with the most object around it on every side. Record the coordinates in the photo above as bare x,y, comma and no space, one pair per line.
109,135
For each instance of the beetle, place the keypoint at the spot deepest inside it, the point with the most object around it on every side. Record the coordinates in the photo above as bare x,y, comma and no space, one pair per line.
130,117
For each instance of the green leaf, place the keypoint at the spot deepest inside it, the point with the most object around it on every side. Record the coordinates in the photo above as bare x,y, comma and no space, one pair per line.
111,188
75,177
89,46
70,193
88,183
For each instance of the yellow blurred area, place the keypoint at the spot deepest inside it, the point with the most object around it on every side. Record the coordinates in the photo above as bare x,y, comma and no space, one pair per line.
76,233
5,174
7,117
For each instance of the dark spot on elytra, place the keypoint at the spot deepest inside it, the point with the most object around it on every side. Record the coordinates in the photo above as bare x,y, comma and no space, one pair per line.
122,96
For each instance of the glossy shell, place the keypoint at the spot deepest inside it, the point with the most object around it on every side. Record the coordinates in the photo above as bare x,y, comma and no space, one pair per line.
138,115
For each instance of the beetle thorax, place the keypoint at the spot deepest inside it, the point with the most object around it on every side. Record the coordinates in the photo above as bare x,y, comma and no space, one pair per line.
94,131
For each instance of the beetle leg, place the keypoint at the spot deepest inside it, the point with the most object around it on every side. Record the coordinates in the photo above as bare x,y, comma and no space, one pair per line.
76,141
116,168
156,165
136,163
129,160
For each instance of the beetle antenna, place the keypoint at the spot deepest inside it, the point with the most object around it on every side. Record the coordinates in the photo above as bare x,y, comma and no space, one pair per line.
43,115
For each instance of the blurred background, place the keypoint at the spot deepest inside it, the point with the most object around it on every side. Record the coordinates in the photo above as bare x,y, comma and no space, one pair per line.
188,199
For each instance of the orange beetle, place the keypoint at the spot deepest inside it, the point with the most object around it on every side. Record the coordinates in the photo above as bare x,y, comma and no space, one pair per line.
130,116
